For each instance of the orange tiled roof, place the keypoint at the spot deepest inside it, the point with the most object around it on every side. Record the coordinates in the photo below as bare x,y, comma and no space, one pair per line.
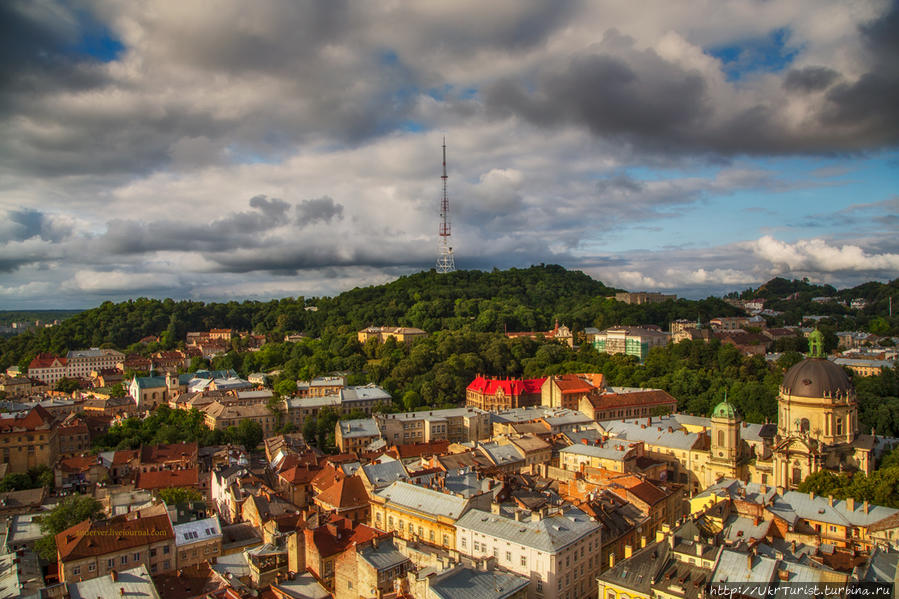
511,387
167,452
344,494
160,479
634,398
89,539
46,361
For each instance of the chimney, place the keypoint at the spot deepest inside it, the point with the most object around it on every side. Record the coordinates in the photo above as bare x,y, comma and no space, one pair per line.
850,504
611,560
660,536
866,506
628,551
698,549
749,561
830,500
811,494
122,591
585,441
114,575
642,541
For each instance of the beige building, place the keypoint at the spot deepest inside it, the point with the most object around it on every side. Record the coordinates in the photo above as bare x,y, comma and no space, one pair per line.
817,423
643,297
220,417
456,425
28,440
198,541
401,334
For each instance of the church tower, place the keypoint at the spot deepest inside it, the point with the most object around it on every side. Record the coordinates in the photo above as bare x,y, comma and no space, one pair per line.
725,443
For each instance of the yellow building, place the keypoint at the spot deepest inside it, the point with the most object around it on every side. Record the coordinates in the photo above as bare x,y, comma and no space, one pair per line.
421,514
402,334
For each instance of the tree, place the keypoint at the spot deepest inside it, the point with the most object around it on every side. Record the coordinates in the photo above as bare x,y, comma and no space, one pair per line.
175,495
67,385
286,387
411,400
249,434
67,513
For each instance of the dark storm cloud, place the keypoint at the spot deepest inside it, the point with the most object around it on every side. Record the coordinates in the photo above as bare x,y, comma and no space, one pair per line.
28,223
619,91
323,209
810,79
232,231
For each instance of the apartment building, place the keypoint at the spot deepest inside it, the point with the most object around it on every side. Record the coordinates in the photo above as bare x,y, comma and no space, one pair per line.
456,425
80,363
96,548
559,553
27,440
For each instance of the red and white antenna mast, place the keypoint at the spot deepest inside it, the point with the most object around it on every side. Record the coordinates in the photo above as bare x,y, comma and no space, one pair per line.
445,262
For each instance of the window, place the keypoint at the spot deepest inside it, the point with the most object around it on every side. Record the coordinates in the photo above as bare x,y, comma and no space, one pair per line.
464,542
508,556
137,557
524,561
432,535
110,563
123,560
165,550
839,426
76,570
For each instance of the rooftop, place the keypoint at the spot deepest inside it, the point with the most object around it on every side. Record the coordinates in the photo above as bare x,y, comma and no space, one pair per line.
550,534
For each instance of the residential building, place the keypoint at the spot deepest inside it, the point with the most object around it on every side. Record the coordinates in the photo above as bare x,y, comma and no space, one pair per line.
80,363
371,568
347,498
558,553
567,390
220,417
15,386
417,513
610,455
863,367
325,544
456,425
197,541
562,334
47,368
617,403
28,440
490,393
643,297
633,341
401,334
355,435
95,548
321,386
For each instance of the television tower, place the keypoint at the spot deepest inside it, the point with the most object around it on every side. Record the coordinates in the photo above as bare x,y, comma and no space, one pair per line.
445,262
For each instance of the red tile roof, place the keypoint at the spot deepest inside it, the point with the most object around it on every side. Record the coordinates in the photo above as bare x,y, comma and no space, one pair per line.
154,454
36,418
512,387
344,494
300,474
89,539
338,534
415,450
161,479
46,361
572,383
633,398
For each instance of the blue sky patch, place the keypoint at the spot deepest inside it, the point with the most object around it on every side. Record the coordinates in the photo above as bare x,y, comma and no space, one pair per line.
771,53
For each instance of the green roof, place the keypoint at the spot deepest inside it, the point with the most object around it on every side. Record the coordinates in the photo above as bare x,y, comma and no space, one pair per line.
724,410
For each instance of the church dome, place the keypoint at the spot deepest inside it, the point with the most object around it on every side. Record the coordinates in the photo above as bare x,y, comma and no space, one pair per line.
724,410
816,377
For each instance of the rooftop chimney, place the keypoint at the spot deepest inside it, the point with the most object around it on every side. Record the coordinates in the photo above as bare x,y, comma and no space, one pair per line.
628,551
850,504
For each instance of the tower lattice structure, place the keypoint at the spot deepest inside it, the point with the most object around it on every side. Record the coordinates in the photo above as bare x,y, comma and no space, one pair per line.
445,261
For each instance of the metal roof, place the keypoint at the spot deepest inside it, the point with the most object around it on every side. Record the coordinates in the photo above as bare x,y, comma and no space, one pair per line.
652,434
134,583
550,534
425,501
363,427
467,583
197,531
384,556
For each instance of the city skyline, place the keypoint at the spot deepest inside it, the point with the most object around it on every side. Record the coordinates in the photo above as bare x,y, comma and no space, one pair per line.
168,150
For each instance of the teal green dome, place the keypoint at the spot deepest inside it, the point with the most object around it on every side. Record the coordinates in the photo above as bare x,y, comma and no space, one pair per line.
724,410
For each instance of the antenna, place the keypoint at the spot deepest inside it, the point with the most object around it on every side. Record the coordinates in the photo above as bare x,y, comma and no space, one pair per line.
445,262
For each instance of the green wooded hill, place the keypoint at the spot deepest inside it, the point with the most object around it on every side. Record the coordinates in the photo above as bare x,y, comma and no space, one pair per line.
530,299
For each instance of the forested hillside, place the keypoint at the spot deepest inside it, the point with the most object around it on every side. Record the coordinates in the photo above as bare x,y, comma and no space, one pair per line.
529,299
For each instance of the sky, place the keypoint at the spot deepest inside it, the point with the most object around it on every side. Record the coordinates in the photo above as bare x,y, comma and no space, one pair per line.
232,150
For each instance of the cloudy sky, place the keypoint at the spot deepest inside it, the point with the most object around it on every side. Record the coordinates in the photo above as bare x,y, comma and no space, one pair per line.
232,150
